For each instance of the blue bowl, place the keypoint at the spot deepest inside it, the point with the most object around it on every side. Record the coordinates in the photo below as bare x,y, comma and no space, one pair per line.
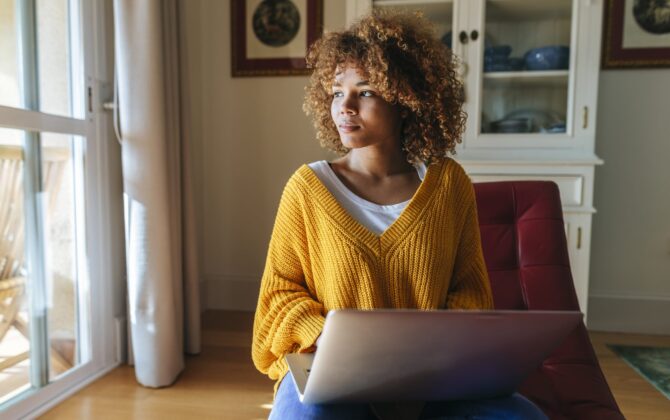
499,63
497,51
495,59
491,67
548,58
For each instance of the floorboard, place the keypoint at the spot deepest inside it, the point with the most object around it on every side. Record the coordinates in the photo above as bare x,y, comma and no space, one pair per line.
222,382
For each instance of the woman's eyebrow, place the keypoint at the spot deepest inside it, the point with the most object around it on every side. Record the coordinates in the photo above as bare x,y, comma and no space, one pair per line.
336,83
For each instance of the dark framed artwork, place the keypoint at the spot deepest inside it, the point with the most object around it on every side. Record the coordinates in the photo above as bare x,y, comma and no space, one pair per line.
636,34
271,37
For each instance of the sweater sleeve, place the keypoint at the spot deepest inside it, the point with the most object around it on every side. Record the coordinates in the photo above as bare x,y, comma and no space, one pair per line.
288,318
470,287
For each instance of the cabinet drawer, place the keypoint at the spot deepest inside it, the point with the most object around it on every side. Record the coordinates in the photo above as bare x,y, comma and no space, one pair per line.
570,186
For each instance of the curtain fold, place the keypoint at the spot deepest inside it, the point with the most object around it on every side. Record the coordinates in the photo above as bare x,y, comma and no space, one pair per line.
163,296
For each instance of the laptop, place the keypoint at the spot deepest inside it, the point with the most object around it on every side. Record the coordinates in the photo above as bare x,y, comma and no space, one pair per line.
415,355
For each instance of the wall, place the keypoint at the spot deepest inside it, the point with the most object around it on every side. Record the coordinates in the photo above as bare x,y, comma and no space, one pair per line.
249,136
630,265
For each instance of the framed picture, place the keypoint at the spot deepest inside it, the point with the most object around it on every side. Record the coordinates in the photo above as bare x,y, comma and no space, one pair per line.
636,33
271,37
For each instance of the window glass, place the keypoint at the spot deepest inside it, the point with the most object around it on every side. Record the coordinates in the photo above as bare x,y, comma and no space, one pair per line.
9,61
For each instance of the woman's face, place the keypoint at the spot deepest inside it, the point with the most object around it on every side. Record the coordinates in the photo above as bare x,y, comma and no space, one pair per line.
362,116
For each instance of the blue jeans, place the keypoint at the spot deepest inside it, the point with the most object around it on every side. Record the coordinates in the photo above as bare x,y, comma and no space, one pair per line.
287,406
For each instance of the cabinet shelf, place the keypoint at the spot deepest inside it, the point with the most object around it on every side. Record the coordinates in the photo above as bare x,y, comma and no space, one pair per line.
528,78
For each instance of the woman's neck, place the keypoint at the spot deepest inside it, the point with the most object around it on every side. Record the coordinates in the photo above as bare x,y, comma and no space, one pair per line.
376,164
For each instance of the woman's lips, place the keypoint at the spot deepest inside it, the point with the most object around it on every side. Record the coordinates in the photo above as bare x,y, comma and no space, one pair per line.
347,128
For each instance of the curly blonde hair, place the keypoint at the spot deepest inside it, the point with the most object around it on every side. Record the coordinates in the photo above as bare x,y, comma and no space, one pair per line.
403,59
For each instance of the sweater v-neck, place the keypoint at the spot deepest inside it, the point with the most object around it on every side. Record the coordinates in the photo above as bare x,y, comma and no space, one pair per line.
377,243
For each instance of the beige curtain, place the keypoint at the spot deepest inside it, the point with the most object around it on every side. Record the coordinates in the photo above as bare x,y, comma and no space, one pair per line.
163,296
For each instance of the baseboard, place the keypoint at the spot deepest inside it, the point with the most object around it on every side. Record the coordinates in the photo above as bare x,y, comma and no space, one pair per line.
238,293
629,314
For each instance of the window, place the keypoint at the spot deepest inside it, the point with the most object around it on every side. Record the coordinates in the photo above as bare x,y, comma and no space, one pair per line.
52,201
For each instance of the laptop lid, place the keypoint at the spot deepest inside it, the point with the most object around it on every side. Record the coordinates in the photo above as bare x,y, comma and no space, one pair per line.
405,355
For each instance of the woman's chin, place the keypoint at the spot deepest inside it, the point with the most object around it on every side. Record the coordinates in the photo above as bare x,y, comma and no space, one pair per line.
351,143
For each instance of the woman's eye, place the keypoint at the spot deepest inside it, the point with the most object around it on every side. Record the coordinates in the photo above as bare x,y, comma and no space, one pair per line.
367,93
337,94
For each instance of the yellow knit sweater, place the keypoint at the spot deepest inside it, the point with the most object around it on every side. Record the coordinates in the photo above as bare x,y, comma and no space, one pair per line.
320,258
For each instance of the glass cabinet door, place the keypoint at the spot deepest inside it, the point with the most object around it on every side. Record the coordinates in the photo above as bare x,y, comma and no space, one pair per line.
442,13
518,65
525,70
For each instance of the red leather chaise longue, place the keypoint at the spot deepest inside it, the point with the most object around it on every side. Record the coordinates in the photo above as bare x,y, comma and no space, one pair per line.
526,256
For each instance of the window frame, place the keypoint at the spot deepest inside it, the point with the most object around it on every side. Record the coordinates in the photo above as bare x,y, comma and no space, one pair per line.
103,212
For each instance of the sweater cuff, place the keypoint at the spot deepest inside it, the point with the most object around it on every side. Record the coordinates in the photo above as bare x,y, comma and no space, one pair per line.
309,329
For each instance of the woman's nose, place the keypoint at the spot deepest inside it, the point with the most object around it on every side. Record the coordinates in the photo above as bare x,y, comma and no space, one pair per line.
349,106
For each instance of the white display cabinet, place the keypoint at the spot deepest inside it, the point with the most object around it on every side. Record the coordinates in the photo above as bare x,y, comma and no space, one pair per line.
528,119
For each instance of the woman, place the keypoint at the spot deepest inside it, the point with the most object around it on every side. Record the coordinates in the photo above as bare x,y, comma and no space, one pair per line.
392,223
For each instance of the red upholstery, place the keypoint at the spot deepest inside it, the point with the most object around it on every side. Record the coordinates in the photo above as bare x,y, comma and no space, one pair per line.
527,260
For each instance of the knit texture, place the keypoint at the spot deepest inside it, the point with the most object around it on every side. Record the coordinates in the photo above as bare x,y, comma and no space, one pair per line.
320,258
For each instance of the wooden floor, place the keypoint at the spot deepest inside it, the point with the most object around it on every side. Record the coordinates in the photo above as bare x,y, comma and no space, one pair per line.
637,398
222,383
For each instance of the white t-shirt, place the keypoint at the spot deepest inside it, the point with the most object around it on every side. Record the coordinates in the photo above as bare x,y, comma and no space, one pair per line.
377,218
